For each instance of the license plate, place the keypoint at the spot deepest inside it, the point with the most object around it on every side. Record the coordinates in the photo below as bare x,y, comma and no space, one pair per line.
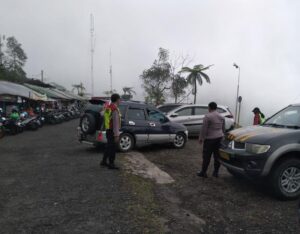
224,155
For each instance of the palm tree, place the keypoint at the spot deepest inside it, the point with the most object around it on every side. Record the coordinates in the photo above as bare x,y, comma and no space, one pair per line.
80,89
128,93
195,76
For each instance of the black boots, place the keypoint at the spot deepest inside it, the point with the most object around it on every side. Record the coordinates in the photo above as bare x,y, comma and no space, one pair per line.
103,164
109,166
215,174
113,167
202,174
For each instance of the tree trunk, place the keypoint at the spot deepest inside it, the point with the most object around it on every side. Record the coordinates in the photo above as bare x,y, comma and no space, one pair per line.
195,95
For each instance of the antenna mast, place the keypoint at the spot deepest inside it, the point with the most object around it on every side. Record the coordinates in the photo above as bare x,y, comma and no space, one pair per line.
92,53
110,71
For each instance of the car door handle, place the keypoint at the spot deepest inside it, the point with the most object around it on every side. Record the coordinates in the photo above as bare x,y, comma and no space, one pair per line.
131,123
152,124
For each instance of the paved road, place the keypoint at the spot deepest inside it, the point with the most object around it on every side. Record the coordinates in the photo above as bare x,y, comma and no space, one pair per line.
51,184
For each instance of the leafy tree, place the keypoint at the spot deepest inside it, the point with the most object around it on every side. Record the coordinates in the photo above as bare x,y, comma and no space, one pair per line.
16,56
196,75
128,93
156,78
80,89
178,86
2,40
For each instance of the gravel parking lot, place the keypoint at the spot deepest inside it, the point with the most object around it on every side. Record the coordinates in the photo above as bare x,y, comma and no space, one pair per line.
51,184
226,204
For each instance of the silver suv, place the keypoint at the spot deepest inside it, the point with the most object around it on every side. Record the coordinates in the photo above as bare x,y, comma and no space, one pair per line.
192,116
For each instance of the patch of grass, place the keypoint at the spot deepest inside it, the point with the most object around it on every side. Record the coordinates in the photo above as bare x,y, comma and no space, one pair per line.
142,207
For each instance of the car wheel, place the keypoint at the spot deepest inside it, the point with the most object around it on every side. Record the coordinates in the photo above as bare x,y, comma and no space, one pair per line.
88,124
285,179
126,142
179,141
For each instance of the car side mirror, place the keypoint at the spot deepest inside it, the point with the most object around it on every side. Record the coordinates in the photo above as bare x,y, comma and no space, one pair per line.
174,115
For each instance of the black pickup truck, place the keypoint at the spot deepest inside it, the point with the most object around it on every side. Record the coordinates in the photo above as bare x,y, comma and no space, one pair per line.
268,153
141,124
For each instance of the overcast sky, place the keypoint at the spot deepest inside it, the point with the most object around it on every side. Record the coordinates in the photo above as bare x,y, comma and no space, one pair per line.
262,37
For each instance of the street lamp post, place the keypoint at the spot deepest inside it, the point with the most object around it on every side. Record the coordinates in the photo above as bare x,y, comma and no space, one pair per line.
237,94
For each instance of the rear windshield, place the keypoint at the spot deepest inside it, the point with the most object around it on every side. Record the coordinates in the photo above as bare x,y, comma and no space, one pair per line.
97,102
168,108
94,107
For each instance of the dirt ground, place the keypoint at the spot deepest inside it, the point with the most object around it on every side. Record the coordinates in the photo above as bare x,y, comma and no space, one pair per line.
51,184
226,204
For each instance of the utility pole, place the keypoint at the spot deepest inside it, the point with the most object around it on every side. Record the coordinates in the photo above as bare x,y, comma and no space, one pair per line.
237,95
239,112
92,54
110,72
42,75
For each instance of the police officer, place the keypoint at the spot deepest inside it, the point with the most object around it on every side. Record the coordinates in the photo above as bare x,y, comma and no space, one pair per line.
112,125
211,135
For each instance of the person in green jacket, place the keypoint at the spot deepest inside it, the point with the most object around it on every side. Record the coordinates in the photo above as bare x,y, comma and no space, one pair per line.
259,117
14,115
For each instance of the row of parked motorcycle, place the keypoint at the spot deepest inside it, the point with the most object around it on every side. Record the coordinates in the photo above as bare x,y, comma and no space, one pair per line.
18,122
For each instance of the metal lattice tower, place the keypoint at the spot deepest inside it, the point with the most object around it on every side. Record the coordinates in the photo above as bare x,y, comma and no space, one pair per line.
110,72
92,54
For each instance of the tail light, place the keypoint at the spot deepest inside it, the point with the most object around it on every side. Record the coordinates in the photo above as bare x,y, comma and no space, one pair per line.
229,116
100,136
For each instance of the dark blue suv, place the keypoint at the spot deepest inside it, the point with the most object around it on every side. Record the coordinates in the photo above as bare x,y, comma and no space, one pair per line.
141,124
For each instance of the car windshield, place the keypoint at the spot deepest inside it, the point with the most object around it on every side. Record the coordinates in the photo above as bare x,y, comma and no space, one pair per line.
289,117
168,108
156,116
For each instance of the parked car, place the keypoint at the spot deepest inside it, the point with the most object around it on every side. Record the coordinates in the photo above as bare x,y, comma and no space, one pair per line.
192,116
268,153
141,124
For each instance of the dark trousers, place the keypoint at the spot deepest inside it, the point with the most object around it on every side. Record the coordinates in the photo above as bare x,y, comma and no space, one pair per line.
211,146
110,148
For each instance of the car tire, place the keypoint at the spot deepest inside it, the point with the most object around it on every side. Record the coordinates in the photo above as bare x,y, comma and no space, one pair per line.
88,123
126,142
179,141
285,179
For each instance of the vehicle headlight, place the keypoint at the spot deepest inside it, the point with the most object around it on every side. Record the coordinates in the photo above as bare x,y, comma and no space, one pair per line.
257,149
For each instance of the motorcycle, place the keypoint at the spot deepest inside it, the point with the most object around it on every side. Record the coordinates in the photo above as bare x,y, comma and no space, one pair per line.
11,126
41,120
30,123
2,130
